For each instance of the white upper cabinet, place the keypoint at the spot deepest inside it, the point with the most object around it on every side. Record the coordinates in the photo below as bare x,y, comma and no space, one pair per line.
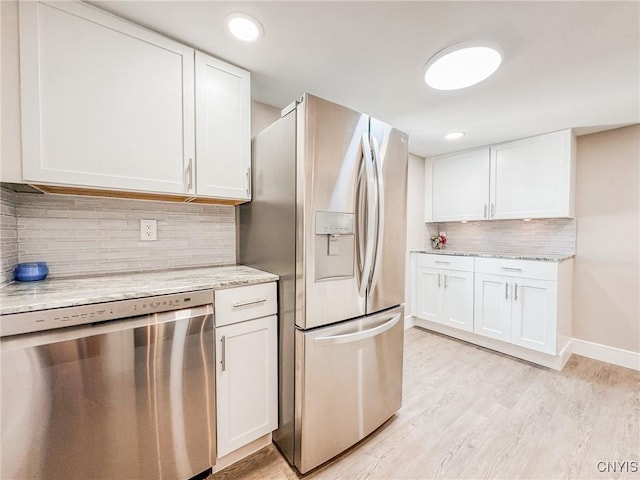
223,129
530,178
107,104
533,178
461,186
104,103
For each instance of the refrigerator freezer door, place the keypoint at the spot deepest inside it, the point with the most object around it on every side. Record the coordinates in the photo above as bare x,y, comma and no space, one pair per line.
392,156
348,383
329,160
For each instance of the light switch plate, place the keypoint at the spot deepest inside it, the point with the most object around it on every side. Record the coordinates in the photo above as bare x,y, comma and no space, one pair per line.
148,230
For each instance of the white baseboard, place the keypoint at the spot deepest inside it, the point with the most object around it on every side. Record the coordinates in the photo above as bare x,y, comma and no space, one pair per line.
596,351
556,362
605,353
242,452
409,321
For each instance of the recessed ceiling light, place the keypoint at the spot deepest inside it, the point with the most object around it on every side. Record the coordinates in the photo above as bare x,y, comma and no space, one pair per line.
461,66
243,27
454,135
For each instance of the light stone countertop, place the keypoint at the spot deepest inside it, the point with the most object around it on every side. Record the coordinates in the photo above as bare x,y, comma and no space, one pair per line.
17,297
513,256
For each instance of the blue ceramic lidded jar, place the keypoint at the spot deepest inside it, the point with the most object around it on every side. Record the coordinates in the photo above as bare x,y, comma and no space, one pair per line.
30,272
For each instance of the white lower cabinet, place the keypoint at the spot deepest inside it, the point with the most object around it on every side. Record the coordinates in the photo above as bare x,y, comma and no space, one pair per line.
444,295
533,314
492,310
519,307
428,294
246,369
517,310
246,382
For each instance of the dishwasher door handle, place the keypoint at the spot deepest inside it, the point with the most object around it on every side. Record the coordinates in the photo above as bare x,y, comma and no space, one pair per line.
357,336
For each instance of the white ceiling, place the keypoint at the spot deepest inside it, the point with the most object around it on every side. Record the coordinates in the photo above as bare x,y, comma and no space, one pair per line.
566,64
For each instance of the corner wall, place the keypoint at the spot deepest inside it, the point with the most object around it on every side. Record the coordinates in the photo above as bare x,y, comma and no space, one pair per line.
415,219
606,292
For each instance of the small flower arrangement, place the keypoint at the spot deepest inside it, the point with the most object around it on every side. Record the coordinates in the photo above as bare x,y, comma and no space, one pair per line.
439,241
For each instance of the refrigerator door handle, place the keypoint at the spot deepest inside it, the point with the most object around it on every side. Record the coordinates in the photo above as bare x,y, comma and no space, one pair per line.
370,215
357,336
379,235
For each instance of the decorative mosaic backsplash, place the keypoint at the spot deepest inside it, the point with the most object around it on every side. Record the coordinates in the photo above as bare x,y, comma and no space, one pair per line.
91,235
8,234
546,236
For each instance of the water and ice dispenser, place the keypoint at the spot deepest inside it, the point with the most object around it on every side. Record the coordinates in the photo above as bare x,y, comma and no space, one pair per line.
335,245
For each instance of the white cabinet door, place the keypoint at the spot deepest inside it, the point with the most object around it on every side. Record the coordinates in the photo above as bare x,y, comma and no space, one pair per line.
534,314
246,367
428,294
104,103
492,306
223,129
460,186
532,178
457,299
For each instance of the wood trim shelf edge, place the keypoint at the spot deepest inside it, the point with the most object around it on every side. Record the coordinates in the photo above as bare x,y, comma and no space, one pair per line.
58,190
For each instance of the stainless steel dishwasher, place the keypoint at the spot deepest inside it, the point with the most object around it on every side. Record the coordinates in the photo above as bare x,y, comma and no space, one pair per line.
126,391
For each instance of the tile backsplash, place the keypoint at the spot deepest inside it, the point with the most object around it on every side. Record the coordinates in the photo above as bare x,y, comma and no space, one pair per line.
8,234
91,235
545,236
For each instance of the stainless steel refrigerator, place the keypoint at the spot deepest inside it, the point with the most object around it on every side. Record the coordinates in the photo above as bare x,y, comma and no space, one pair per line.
329,215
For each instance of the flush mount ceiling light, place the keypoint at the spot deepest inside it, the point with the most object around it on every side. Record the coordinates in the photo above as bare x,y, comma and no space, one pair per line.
462,65
454,135
243,27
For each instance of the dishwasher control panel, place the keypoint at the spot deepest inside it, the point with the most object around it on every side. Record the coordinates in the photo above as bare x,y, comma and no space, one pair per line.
27,322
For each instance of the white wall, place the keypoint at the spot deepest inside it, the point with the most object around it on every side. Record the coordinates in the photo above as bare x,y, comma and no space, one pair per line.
415,217
262,115
606,293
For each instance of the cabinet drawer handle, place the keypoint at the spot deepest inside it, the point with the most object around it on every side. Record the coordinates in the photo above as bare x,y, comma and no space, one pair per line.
223,361
442,261
513,269
249,302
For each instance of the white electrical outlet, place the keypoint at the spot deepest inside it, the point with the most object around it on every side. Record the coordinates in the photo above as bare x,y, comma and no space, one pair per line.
148,230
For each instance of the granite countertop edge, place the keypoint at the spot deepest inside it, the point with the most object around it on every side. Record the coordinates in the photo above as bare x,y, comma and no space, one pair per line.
20,297
511,256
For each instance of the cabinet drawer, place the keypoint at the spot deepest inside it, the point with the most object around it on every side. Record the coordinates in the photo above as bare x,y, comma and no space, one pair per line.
445,262
243,303
518,268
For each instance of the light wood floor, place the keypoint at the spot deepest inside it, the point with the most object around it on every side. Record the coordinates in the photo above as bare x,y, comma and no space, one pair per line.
472,413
